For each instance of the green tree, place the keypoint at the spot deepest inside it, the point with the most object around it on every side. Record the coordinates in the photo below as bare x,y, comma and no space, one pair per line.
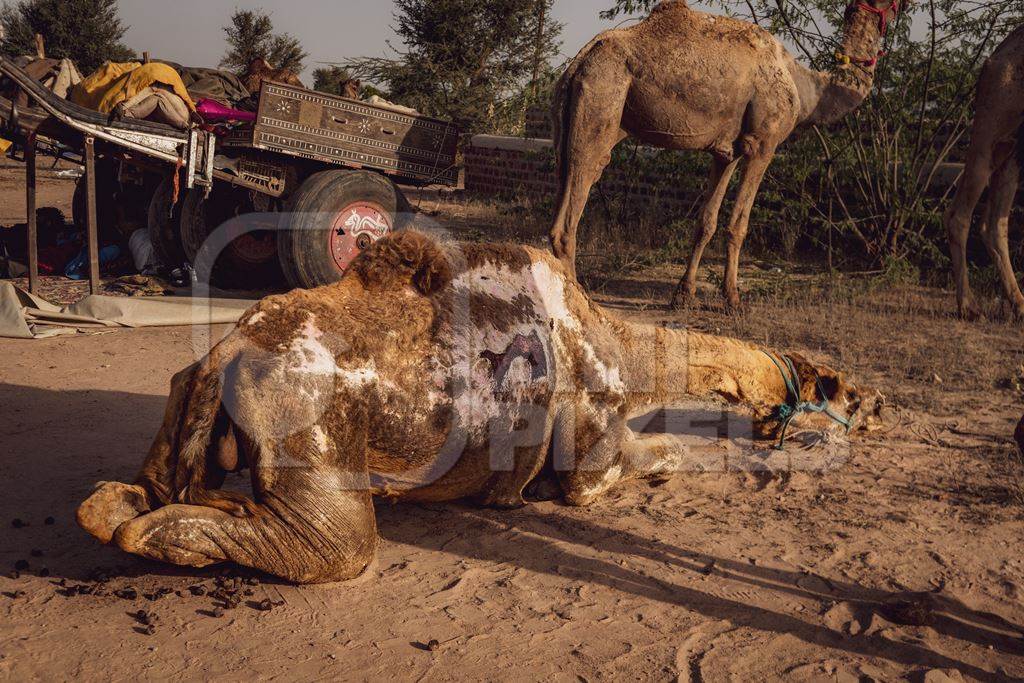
251,36
329,79
86,31
474,61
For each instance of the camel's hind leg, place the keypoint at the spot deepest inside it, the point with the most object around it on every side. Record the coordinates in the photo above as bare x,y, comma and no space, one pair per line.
993,132
996,231
299,550
588,129
313,521
113,503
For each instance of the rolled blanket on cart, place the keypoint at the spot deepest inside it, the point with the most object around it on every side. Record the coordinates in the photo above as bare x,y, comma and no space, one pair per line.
156,103
213,84
113,84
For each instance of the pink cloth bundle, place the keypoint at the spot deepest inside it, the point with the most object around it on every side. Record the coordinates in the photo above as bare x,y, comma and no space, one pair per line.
215,111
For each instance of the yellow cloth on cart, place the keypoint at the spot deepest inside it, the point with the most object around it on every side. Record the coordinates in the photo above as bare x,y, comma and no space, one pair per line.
114,83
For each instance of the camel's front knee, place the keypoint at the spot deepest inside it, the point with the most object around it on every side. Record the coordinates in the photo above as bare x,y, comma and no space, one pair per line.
180,534
583,487
111,505
198,536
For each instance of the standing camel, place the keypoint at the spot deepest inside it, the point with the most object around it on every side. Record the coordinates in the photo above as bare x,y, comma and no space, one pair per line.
688,80
994,160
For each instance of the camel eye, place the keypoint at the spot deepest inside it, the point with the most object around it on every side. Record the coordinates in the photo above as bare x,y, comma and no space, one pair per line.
829,387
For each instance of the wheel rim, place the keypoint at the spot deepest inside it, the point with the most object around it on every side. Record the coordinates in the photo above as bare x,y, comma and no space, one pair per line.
254,247
355,228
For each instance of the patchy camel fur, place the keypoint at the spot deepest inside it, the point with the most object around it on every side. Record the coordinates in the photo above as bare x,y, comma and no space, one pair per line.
430,372
689,80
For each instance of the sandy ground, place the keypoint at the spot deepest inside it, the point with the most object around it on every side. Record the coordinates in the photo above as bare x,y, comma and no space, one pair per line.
50,191
904,564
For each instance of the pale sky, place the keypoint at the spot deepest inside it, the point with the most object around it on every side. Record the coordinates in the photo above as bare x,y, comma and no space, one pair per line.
189,31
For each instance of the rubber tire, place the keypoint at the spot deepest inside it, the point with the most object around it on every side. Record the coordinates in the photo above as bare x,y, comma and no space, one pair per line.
302,242
231,269
165,225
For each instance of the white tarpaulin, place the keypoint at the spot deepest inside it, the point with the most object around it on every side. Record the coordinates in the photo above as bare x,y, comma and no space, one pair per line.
24,316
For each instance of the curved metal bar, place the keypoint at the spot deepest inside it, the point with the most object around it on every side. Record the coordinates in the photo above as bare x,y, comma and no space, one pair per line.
152,139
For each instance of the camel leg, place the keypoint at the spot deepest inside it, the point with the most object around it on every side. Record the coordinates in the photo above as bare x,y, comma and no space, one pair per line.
740,221
976,177
113,503
584,149
297,550
587,441
722,170
314,521
997,228
637,457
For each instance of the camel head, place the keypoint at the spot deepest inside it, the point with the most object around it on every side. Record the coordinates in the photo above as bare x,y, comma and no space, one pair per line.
881,12
351,88
258,65
866,25
828,400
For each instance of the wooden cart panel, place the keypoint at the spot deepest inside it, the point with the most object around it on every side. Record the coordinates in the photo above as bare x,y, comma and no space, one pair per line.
337,130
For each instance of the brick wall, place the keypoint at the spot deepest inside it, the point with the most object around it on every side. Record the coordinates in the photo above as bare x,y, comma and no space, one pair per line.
538,122
524,168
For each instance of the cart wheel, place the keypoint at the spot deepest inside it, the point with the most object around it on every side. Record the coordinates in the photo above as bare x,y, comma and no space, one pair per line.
250,259
333,216
165,225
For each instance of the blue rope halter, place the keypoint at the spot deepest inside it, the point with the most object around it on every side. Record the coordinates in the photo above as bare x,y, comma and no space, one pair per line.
787,412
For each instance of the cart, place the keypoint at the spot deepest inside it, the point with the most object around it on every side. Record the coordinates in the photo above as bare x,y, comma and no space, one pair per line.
300,192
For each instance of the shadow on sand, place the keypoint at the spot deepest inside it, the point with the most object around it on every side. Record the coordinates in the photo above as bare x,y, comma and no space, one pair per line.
57,444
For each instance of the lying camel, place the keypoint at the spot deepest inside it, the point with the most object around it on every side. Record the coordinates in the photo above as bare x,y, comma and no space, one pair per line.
687,80
994,161
428,373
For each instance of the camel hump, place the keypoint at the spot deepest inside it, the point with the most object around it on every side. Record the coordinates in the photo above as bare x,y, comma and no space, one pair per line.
406,257
670,6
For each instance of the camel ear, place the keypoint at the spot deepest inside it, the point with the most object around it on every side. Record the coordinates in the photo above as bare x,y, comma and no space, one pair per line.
404,258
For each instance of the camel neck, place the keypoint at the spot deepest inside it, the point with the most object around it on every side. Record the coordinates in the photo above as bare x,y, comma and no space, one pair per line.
828,96
663,367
